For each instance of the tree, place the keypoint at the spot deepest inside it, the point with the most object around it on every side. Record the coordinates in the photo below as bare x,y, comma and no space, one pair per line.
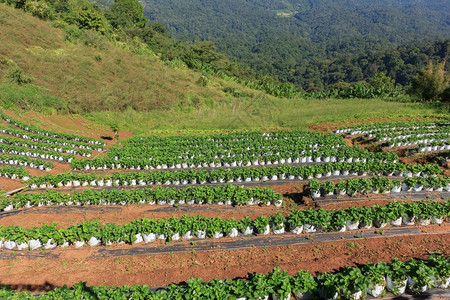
430,84
91,19
127,13
445,96
381,81
40,9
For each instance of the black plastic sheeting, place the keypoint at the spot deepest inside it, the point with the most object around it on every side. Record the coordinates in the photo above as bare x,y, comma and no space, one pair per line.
54,209
123,170
416,196
260,183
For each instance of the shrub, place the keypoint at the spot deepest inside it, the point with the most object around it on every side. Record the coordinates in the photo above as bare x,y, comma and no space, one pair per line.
430,84
17,76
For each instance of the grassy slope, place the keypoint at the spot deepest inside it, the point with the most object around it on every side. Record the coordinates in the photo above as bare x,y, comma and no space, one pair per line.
279,113
91,78
170,98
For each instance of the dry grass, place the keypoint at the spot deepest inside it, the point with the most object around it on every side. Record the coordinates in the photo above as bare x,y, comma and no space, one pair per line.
89,78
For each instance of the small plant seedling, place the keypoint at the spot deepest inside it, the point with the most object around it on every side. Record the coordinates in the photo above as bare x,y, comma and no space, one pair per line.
310,237
194,243
381,232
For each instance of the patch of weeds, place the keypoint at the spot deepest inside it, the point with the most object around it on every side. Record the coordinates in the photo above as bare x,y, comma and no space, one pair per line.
353,245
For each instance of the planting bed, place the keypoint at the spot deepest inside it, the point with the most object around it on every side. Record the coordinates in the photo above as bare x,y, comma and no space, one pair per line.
162,269
255,180
407,138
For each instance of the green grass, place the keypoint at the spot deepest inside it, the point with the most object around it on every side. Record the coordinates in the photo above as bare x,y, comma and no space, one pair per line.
30,97
262,114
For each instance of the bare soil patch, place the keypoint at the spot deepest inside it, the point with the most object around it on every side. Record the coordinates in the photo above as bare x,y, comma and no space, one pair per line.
7,184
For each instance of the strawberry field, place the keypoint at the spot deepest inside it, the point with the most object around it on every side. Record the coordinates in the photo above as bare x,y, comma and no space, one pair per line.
275,214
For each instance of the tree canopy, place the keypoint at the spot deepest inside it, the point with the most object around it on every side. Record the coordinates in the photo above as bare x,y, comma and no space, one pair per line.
127,13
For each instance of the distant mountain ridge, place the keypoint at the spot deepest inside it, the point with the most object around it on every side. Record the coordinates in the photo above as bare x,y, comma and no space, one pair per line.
290,39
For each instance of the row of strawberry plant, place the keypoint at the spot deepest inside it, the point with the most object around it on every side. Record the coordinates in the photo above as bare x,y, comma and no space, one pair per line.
147,230
350,283
378,185
389,136
17,160
209,147
227,140
53,134
442,141
235,175
164,161
435,134
43,146
231,147
390,127
222,195
433,146
47,139
14,173
35,153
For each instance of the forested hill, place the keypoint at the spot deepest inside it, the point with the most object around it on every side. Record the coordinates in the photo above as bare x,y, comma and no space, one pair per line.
294,39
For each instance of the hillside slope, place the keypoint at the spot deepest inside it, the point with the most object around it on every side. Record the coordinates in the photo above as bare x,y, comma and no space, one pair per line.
92,78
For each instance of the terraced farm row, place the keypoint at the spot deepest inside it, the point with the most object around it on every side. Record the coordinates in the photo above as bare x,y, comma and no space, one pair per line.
159,210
